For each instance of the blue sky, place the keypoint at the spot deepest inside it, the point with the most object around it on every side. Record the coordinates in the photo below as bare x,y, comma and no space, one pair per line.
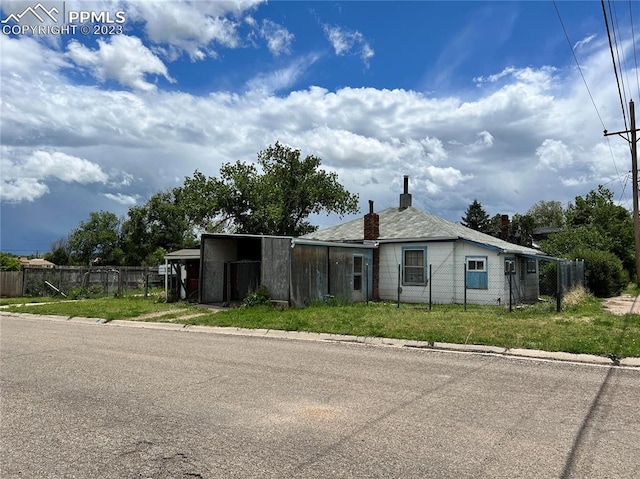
473,100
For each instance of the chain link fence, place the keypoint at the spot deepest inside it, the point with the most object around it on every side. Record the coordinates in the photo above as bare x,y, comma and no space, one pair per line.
82,281
521,280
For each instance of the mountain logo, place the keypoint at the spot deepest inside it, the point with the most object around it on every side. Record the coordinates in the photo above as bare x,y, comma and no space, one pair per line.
39,11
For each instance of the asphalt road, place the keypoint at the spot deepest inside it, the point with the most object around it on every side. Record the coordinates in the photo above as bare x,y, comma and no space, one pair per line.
106,401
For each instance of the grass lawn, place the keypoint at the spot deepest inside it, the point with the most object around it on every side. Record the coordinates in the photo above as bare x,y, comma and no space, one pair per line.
582,328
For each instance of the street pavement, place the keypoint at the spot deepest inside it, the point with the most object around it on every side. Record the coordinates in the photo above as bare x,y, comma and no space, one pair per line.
81,398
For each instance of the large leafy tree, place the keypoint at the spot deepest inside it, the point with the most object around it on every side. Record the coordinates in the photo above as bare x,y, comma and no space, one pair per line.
598,211
97,240
276,196
161,224
9,262
477,218
59,252
547,213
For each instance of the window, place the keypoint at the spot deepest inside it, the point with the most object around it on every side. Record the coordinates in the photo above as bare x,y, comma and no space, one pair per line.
476,265
413,266
357,273
510,266
476,277
531,266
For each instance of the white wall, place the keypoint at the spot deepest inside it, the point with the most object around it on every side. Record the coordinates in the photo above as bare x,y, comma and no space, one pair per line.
447,260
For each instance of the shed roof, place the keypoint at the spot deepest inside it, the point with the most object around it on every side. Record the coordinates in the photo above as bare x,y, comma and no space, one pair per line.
187,253
412,224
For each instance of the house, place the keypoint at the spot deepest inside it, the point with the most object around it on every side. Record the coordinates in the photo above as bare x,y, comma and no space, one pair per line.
294,270
39,262
423,258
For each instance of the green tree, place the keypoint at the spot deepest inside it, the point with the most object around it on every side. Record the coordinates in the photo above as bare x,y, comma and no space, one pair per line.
161,223
597,210
521,229
477,218
97,240
59,252
276,200
547,213
9,262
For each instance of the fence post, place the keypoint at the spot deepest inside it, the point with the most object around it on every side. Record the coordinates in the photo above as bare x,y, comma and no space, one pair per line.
399,287
510,293
559,287
430,284
465,285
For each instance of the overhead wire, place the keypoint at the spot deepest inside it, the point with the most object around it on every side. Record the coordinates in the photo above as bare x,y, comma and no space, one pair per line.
622,59
635,54
615,69
584,80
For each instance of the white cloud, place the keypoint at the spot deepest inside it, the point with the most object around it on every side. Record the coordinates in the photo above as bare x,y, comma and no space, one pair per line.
21,189
126,200
553,155
531,134
193,27
278,38
124,59
585,41
24,173
268,83
345,42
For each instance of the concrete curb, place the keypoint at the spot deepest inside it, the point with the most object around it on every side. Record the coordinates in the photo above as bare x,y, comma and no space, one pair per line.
338,338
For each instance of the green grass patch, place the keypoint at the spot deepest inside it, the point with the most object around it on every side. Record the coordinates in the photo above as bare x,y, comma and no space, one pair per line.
107,308
585,328
581,328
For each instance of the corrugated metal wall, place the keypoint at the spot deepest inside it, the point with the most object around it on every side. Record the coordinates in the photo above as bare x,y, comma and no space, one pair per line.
215,252
276,266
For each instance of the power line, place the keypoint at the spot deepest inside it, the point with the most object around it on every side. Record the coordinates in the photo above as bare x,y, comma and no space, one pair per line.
578,64
615,69
635,54
584,80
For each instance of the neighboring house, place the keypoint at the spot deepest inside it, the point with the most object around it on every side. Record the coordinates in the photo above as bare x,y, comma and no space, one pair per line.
298,271
42,263
429,258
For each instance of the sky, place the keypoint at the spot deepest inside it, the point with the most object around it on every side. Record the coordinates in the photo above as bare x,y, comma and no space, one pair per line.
472,100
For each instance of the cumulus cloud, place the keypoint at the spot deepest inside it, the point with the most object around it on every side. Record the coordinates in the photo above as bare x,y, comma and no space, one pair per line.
196,28
554,155
518,141
24,174
123,58
346,42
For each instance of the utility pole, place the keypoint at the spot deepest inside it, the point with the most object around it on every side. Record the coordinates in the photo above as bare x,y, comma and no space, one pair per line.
634,174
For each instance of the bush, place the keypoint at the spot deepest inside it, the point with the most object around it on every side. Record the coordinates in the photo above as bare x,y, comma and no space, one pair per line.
574,297
604,273
255,298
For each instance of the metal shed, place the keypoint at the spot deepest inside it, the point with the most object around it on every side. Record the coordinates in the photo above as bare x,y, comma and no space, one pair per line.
294,270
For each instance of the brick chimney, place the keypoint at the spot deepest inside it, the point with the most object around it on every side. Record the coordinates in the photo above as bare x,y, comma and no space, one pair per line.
504,227
405,197
371,224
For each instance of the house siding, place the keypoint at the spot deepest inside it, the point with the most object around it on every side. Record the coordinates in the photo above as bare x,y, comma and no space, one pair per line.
446,263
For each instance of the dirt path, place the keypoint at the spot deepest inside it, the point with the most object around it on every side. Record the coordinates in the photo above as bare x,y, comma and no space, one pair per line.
623,304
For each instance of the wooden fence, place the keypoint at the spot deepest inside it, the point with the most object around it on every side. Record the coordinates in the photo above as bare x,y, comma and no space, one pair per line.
109,280
11,283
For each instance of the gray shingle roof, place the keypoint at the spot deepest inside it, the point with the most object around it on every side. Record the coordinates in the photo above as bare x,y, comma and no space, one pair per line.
414,224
